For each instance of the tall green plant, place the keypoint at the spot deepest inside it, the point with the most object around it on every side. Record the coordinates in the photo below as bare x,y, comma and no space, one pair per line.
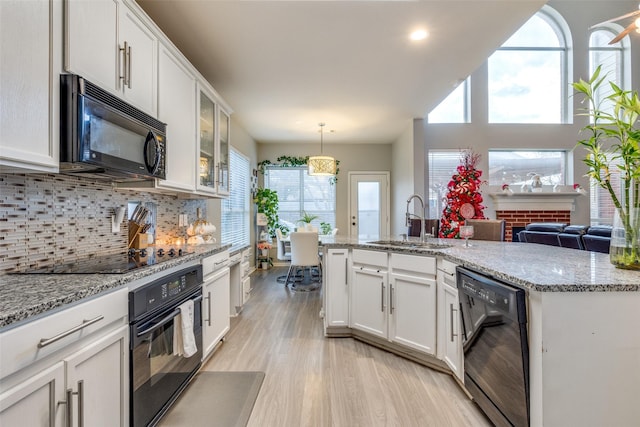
266,201
618,128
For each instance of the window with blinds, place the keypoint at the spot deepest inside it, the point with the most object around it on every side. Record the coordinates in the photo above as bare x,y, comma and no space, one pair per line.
298,193
234,227
601,205
442,166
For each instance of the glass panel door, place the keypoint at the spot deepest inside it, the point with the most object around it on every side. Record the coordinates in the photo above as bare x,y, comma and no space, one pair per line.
369,207
206,161
223,171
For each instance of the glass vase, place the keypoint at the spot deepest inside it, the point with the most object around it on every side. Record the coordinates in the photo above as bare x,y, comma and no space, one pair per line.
624,250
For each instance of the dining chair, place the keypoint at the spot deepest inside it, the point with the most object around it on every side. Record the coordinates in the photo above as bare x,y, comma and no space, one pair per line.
283,252
304,255
487,229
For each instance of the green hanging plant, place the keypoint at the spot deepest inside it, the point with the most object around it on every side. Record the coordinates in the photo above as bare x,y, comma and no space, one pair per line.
290,161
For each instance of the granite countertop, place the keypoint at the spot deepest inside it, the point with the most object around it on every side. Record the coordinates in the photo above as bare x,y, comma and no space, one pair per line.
530,266
25,296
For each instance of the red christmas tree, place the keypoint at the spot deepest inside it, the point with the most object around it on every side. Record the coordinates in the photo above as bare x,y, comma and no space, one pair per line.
462,194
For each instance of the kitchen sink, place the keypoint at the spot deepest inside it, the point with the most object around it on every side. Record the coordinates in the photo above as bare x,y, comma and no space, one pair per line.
411,244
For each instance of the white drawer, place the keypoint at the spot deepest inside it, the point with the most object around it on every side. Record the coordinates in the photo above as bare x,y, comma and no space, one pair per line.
246,255
373,258
214,263
244,269
407,264
447,266
19,347
235,258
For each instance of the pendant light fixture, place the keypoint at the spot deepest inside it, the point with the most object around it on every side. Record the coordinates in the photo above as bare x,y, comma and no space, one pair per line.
321,165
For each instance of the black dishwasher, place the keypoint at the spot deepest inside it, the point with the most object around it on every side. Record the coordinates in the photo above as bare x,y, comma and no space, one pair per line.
495,344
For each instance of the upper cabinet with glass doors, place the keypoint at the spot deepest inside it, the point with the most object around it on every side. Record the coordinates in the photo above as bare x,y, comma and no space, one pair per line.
213,144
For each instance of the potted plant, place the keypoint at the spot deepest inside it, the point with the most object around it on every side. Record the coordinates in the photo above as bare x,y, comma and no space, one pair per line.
617,127
264,248
306,219
266,201
325,228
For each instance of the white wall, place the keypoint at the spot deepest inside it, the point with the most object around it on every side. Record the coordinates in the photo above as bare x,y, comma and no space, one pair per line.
481,136
402,178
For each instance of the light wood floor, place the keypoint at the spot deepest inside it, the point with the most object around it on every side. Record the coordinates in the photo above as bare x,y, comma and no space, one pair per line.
316,381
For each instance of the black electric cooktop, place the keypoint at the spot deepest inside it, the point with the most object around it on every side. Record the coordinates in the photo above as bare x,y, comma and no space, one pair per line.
115,263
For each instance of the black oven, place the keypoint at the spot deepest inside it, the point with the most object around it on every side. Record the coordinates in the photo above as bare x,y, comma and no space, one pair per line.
158,373
495,345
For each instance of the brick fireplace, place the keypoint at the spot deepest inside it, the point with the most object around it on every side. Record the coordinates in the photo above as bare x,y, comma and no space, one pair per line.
520,209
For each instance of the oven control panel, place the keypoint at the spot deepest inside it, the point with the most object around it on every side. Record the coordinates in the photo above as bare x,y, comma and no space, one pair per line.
173,288
163,291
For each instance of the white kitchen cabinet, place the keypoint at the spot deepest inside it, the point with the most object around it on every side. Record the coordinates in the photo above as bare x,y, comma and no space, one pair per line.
96,381
412,302
336,285
110,44
368,296
79,354
215,297
34,402
177,106
31,51
395,299
449,320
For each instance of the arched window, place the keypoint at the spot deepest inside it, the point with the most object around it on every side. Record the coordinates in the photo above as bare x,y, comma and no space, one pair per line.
528,74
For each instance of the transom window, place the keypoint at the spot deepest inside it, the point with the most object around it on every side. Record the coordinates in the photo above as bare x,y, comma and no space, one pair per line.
454,108
298,192
528,73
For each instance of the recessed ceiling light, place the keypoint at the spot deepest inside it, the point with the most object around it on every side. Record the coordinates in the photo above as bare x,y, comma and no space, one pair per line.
418,35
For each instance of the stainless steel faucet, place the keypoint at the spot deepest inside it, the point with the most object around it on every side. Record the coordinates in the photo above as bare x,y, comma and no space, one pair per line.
422,218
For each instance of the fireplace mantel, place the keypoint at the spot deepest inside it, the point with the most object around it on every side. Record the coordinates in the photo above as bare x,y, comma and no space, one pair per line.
561,201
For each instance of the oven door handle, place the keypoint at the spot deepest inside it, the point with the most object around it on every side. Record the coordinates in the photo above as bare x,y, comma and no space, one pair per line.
166,319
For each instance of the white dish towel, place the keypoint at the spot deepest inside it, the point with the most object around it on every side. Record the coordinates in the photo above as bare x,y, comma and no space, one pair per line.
184,340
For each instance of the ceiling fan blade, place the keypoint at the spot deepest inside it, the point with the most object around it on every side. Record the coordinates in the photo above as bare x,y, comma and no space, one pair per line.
626,31
628,15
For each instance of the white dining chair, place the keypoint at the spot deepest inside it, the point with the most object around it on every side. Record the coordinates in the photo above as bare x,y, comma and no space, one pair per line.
304,255
283,252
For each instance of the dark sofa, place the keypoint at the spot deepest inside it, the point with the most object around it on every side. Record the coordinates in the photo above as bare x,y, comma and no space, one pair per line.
591,238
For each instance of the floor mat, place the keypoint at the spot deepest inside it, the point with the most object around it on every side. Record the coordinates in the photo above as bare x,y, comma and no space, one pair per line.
220,399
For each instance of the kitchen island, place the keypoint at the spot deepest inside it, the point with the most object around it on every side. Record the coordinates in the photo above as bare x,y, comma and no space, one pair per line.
583,317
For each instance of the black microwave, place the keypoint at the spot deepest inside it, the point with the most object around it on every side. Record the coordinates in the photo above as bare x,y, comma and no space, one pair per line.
103,136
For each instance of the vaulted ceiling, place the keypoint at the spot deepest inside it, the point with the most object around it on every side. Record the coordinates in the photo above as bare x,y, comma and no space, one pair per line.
285,66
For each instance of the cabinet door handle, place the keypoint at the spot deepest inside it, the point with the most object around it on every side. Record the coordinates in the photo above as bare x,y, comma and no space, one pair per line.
81,403
451,310
46,341
125,67
391,298
69,403
208,298
346,271
130,55
382,296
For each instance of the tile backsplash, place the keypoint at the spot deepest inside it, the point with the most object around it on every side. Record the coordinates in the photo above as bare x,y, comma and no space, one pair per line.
47,219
